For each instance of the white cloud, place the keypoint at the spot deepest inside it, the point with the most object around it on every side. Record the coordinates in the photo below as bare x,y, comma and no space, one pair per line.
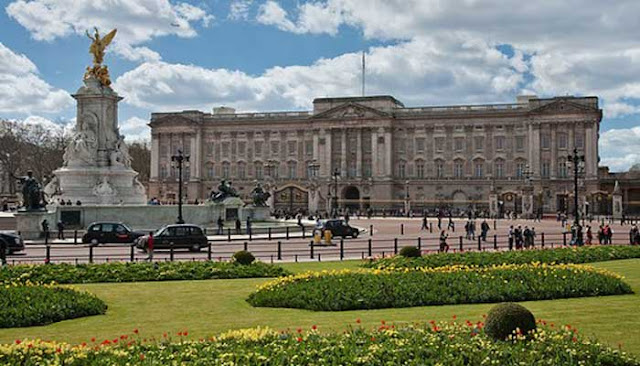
22,91
239,9
315,18
137,21
619,148
135,129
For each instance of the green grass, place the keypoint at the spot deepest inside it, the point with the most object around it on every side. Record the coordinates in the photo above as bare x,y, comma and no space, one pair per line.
209,307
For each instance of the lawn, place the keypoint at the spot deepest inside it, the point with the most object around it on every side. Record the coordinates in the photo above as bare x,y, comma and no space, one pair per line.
209,307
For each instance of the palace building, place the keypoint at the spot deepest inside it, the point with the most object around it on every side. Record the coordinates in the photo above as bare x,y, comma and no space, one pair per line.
362,152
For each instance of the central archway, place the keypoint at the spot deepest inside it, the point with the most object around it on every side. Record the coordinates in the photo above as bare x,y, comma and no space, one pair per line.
351,198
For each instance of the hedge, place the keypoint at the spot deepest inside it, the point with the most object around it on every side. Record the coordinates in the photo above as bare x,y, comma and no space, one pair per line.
137,271
426,344
561,255
376,289
29,305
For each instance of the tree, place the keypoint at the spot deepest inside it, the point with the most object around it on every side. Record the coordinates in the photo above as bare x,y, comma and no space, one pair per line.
140,159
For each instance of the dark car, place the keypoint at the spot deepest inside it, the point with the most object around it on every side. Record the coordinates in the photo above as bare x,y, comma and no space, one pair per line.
110,232
13,242
340,228
180,236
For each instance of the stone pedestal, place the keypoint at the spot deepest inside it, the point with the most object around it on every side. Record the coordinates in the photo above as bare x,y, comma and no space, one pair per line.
493,204
617,202
527,202
257,213
29,223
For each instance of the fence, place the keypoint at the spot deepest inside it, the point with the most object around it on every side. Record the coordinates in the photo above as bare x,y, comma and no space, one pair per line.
292,251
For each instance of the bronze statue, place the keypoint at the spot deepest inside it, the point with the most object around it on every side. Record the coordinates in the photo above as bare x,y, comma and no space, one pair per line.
98,71
259,196
225,190
32,194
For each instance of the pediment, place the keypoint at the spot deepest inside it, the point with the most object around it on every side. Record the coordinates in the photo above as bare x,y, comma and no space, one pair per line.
172,119
562,106
351,111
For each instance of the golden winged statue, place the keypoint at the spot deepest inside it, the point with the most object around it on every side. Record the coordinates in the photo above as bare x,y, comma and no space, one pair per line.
99,44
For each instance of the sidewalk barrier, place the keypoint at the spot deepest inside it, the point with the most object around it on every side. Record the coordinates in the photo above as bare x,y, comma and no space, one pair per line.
171,252
419,243
460,240
401,229
209,251
542,240
245,246
479,244
90,253
279,250
132,253
341,248
370,248
311,249
395,245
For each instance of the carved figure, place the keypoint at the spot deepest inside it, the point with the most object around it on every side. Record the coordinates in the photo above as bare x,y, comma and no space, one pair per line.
225,190
99,44
104,189
259,196
32,195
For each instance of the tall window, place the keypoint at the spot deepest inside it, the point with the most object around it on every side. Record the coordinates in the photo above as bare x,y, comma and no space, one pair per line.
401,170
163,171
308,147
439,169
458,169
226,147
458,143
499,143
226,170
420,169
257,147
211,172
242,148
242,171
579,140
519,143
439,142
479,142
210,147
258,170
545,169
520,168
275,147
562,169
499,170
545,141
292,147
420,145
293,169
478,169
562,140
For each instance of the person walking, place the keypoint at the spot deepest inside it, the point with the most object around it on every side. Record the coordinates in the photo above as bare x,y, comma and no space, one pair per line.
248,225
150,247
589,235
511,237
238,226
444,247
527,237
45,228
60,230
484,229
424,223
220,226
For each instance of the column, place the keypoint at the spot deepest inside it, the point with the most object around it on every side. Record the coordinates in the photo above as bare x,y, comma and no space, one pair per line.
316,152
534,149
326,163
359,153
374,153
196,157
590,152
343,150
155,156
554,152
388,152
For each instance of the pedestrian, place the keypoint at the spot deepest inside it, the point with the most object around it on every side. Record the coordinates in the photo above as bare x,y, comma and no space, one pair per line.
600,234
444,247
451,226
45,228
510,237
60,230
608,234
424,223
533,237
248,225
220,225
472,229
150,247
527,237
346,218
238,226
3,252
589,235
484,229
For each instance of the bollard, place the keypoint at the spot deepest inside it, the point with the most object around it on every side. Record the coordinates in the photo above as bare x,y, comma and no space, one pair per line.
171,252
370,249
564,239
342,249
48,260
319,260
46,238
362,255
542,240
431,227
132,253
271,258
287,229
246,246
90,253
495,225
205,231
383,254
401,229
461,243
209,251
510,243
279,250
370,230
479,244
303,236
75,236
419,243
76,261
269,230
395,245
311,249
250,234
228,234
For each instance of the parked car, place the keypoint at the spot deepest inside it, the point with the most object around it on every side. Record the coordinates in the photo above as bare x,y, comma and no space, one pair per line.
179,236
340,228
110,232
13,242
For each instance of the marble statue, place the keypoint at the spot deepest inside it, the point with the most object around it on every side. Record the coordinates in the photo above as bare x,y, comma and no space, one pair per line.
104,189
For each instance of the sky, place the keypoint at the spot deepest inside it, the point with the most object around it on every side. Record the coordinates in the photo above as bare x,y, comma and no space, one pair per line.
266,55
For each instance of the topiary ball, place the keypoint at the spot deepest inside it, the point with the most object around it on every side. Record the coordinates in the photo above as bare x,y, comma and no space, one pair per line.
410,252
243,257
504,318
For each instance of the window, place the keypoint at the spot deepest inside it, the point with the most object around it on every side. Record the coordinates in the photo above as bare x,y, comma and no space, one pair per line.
439,142
164,150
562,169
210,147
242,171
242,148
519,143
562,140
458,143
401,170
546,169
275,147
293,170
479,169
257,170
211,172
187,173
402,145
366,169
499,143
107,228
225,149
579,140
520,168
439,169
499,171
479,142
458,169
545,141
420,144
225,170
308,148
420,169
163,171
257,147
292,147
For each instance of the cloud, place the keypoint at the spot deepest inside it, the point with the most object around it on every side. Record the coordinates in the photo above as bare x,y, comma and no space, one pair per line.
22,91
135,129
619,148
314,18
137,21
239,9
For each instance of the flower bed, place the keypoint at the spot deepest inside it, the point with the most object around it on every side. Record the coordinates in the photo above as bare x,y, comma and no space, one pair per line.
560,255
434,343
133,272
376,289
25,305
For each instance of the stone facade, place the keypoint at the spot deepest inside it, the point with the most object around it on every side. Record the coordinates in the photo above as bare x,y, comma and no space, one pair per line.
386,155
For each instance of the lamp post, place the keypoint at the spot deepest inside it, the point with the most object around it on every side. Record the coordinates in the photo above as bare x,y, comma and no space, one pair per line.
407,206
576,160
179,160
334,208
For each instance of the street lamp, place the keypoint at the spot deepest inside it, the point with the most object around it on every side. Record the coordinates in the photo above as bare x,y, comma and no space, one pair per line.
407,208
334,209
178,160
576,160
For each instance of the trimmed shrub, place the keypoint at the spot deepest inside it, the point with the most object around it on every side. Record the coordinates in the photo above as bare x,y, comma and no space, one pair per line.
378,289
410,252
243,257
30,305
506,318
